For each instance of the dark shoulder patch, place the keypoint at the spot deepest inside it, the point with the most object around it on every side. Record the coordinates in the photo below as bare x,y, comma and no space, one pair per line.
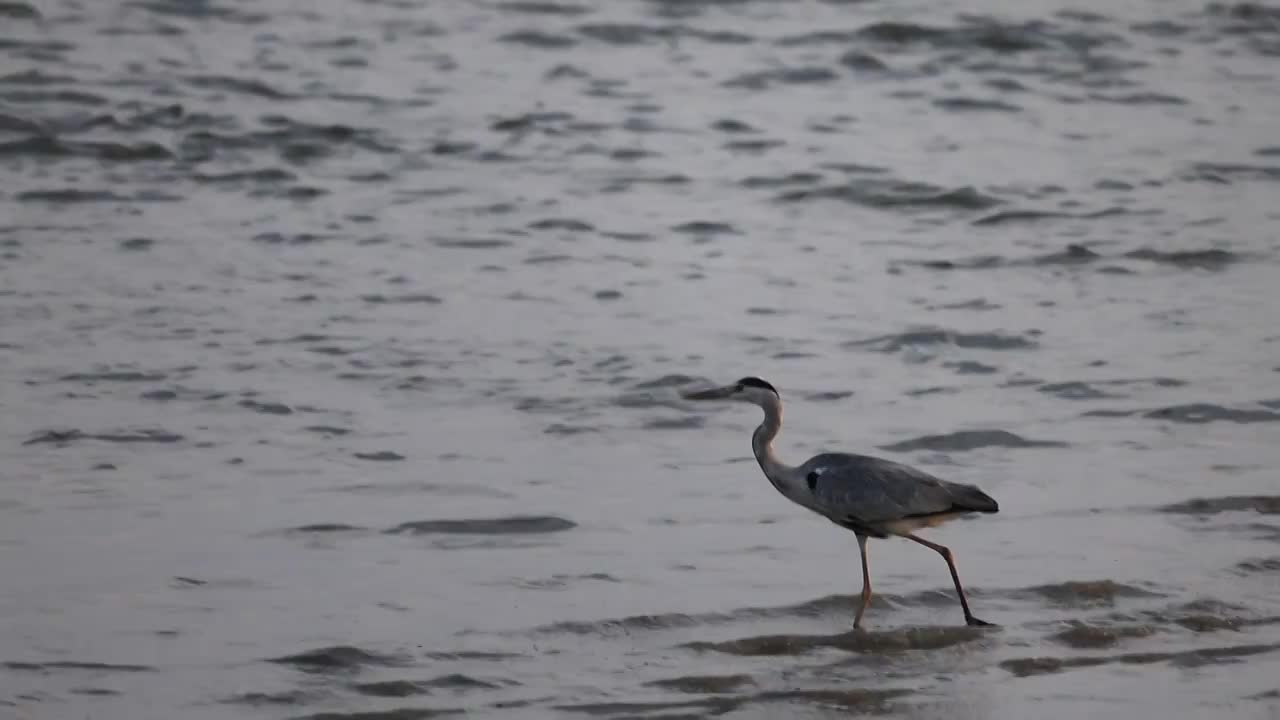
757,382
812,479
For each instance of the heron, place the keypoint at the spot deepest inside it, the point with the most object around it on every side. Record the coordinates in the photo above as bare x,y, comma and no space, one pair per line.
873,497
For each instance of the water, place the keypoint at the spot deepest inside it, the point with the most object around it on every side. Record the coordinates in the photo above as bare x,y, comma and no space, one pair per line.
341,348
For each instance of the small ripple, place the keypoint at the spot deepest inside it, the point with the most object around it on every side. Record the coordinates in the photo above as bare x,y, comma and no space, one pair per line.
47,97
624,184
53,147
63,438
895,194
1086,636
548,259
200,11
18,11
667,381
137,244
296,142
563,224
122,376
733,126
45,667
538,39
968,104
549,122
969,367
549,405
545,8
392,688
379,456
262,699
95,692
1269,565
76,195
275,238
1138,98
705,228
324,529
187,583
1206,259
857,641
637,34
1084,593
966,440
383,487
1075,391
765,79
14,124
984,33
818,607
406,299
847,700
458,681
1195,414
1026,667
1079,390
859,61
1024,216
1210,259
687,422
982,262
515,525
242,86
567,430
406,713
771,182
340,658
818,37
1225,172
754,147
472,243
409,688
829,395
1262,504
263,175
938,336
471,655
266,408
700,684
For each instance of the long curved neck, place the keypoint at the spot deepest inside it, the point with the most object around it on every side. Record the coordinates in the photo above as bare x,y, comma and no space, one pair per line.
779,473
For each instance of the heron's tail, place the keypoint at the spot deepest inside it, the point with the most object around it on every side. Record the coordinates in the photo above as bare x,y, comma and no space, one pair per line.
972,499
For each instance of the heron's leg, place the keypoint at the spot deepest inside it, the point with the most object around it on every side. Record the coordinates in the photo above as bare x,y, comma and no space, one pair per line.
866,582
945,552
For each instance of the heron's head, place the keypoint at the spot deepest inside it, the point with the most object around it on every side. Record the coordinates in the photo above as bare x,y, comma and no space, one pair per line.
749,389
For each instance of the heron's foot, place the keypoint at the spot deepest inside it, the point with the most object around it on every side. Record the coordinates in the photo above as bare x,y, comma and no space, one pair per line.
972,621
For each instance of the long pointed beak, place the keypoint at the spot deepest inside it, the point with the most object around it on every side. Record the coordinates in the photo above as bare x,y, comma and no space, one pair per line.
719,393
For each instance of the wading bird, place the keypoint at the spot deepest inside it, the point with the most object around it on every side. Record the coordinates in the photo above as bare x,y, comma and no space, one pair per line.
874,498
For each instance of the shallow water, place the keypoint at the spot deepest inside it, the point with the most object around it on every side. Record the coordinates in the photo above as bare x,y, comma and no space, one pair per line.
342,343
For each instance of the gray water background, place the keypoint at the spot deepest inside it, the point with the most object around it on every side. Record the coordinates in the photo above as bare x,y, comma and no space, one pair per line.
341,343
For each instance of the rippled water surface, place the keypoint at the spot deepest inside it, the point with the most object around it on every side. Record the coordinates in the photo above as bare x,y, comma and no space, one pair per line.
341,346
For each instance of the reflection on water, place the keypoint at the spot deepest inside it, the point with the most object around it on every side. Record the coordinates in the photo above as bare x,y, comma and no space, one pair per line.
342,347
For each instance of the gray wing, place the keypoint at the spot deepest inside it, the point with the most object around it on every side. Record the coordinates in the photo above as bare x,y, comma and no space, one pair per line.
864,491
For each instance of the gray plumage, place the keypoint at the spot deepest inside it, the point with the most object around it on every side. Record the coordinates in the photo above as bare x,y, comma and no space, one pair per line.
864,493
871,496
